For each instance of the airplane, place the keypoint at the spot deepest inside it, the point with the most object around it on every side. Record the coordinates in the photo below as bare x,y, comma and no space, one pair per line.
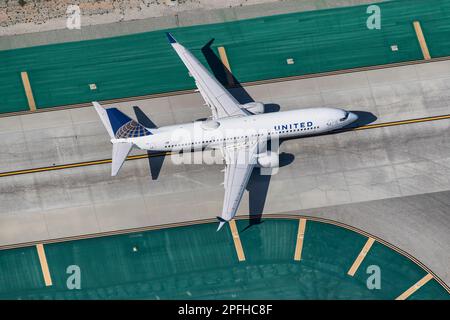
241,150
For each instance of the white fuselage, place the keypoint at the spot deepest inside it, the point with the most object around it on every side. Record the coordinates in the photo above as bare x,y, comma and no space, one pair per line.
236,130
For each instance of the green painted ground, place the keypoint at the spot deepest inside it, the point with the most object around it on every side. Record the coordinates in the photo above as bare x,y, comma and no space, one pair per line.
196,262
144,63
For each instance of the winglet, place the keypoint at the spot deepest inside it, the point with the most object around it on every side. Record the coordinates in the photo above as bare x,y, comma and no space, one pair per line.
221,222
170,38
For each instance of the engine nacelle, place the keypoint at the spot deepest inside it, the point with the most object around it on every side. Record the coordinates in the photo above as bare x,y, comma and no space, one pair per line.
268,160
254,107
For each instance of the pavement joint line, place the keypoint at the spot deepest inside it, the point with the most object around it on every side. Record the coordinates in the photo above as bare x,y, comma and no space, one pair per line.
405,295
146,156
28,90
237,240
359,259
300,239
422,41
44,264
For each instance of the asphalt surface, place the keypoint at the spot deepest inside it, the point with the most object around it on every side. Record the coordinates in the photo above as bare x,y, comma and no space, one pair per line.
392,182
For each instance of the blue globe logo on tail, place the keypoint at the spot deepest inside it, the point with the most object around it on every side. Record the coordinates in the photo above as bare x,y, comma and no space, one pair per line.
125,127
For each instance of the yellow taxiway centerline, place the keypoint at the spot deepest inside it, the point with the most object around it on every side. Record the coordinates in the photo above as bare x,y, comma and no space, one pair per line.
78,164
237,240
402,122
44,264
405,295
359,259
146,156
300,237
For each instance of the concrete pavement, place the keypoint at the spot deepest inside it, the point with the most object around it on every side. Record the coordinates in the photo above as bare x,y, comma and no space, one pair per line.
391,182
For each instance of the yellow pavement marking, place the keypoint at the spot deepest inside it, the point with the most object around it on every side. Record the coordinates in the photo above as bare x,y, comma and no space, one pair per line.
145,156
300,236
401,122
422,41
78,164
237,241
360,257
44,265
415,287
224,58
28,91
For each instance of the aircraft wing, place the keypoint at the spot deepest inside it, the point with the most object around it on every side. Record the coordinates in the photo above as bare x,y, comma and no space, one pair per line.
240,161
221,102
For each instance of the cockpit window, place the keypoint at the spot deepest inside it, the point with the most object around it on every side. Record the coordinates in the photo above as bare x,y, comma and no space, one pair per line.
345,117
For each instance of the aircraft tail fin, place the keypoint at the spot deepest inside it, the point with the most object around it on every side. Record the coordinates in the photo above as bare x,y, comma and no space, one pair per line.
104,117
118,124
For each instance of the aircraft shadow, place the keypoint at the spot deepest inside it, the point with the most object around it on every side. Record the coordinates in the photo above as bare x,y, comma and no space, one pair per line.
225,77
364,118
258,187
155,163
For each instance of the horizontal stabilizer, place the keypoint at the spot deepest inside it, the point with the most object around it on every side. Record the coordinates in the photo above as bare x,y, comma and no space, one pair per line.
119,154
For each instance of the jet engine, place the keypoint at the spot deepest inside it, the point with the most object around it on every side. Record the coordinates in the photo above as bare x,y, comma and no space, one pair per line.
268,160
254,107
